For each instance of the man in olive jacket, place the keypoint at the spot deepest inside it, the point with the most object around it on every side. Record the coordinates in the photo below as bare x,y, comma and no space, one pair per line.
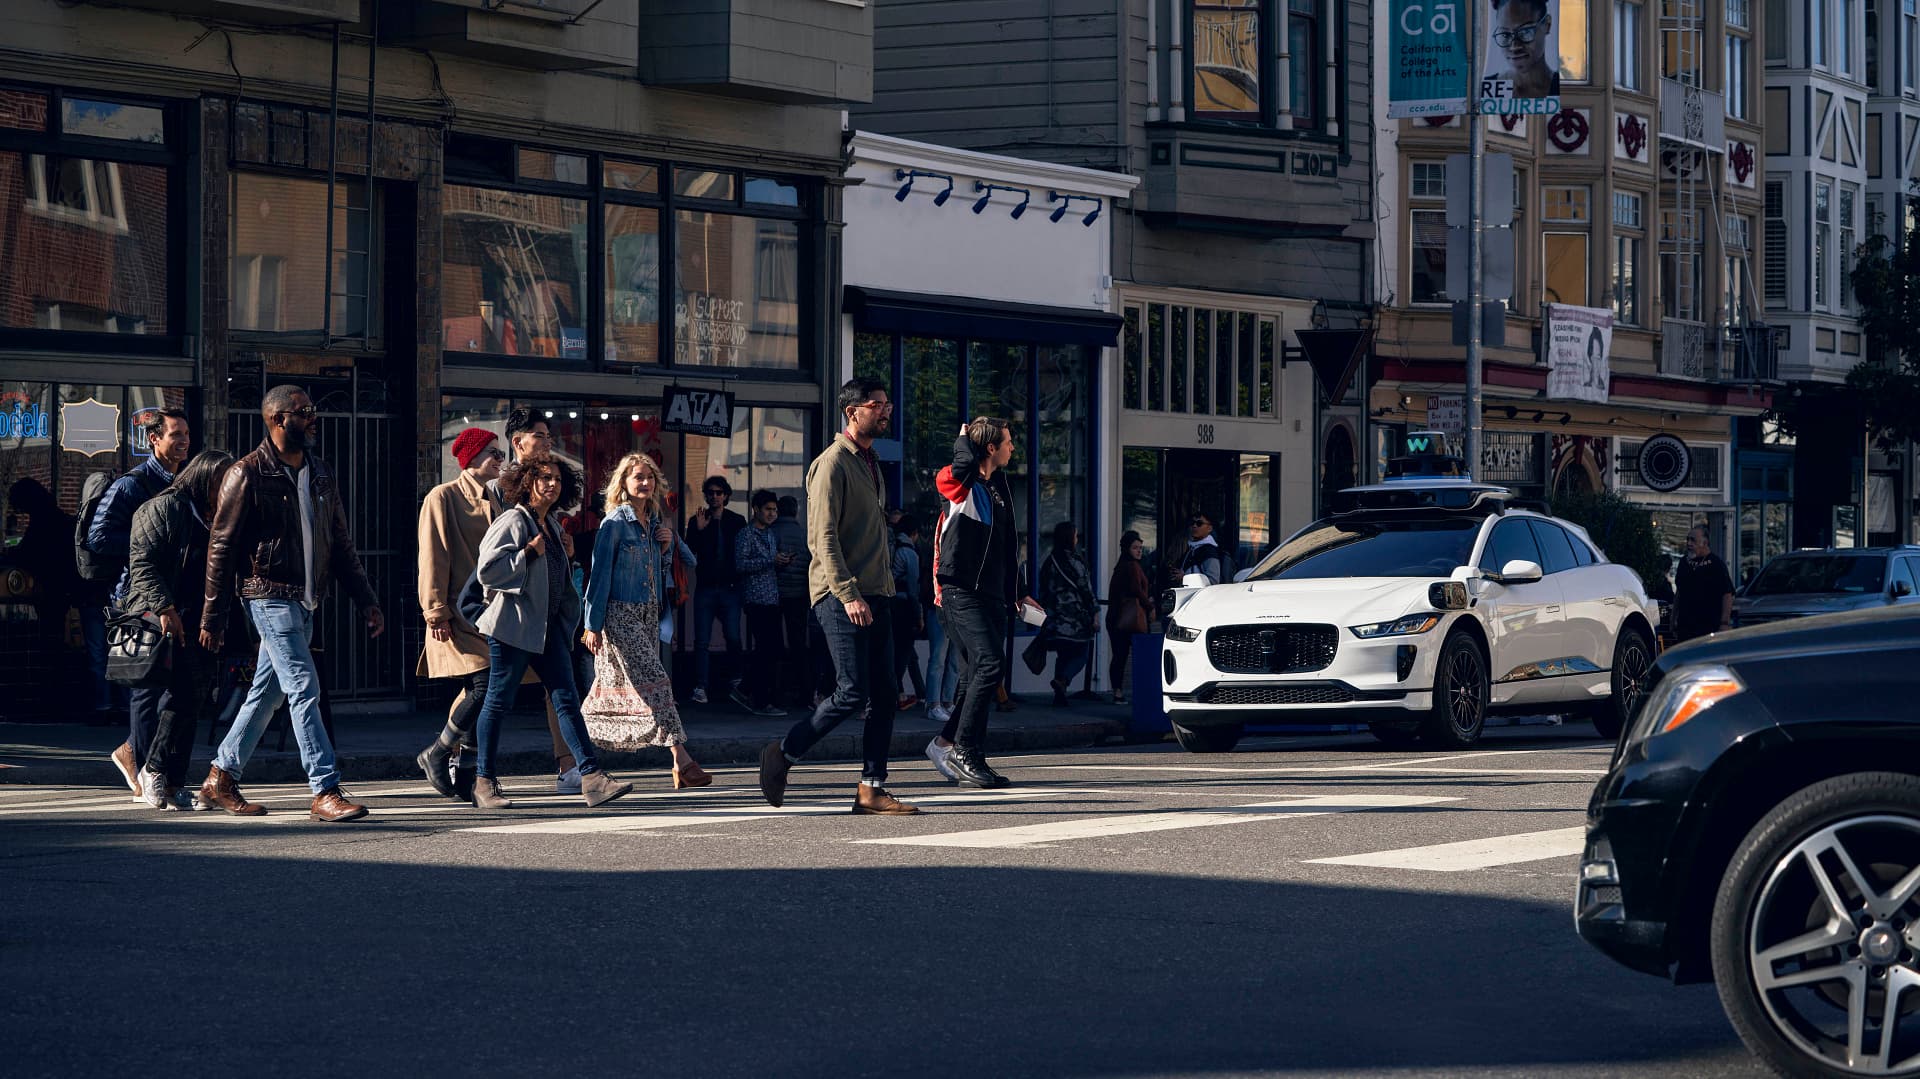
851,583
280,532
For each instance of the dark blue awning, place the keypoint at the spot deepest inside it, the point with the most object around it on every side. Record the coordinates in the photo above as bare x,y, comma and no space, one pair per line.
882,311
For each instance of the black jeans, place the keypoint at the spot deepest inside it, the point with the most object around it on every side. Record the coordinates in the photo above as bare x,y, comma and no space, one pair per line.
906,627
863,682
465,714
176,710
143,720
764,637
978,624
797,664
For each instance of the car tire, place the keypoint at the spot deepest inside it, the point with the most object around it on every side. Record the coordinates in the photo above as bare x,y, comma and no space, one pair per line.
1632,664
1773,910
1210,739
1460,694
1394,736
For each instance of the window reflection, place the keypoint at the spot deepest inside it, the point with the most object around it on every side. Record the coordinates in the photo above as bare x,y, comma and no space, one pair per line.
85,243
633,285
515,273
736,292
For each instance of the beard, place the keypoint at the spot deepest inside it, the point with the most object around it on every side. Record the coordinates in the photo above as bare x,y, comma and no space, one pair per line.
299,438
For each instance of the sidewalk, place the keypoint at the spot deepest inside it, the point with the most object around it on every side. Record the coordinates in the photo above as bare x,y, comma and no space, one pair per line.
382,745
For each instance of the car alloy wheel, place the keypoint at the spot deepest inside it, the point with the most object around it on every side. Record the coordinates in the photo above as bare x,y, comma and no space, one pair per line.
1459,694
1632,665
1826,930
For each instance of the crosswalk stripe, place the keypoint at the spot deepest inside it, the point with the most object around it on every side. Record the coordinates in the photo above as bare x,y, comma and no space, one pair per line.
1472,853
726,815
1035,835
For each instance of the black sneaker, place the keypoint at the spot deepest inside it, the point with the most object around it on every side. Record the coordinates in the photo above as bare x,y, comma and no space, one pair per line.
970,767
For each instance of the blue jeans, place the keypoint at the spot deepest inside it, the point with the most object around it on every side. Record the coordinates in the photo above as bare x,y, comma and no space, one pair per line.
284,671
555,668
93,630
943,659
864,682
709,601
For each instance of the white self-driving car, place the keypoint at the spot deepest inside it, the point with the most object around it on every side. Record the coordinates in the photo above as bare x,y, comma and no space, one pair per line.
1419,611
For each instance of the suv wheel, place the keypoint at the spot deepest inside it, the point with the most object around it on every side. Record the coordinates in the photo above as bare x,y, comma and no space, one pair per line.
1816,931
1632,667
1460,694
1207,739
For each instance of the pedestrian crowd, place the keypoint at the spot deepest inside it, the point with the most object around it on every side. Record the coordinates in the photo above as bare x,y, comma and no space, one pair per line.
185,552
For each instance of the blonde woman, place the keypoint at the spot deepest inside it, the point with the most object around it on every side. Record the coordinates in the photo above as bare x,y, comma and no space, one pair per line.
631,704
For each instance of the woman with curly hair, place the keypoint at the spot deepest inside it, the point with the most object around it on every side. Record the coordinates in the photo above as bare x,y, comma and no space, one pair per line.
631,703
532,611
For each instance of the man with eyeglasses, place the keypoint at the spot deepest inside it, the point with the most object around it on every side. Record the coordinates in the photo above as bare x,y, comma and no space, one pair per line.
851,583
280,531
1203,554
1520,31
711,533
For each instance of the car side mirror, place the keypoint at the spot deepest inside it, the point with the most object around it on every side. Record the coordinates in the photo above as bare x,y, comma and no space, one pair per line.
1243,575
1196,580
1901,590
1521,571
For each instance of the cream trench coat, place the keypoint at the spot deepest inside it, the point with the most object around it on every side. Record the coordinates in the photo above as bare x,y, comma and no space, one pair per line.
453,520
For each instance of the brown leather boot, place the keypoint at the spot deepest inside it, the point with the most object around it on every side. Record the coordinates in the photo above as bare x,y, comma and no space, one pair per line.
876,800
331,806
222,790
600,788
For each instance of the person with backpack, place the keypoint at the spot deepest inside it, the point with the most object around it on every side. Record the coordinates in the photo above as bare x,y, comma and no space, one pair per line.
103,550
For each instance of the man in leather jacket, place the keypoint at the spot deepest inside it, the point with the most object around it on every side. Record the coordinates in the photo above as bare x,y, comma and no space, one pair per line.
280,531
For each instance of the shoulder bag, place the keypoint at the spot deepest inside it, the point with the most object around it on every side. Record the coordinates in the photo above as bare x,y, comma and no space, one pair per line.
139,652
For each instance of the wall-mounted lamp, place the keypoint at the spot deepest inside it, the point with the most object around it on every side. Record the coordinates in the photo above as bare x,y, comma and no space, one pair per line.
1066,201
910,175
987,190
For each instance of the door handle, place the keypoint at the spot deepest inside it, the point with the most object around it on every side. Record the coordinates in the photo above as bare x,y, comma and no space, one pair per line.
1555,609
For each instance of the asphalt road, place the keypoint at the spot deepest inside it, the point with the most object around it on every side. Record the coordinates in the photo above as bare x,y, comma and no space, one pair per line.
1120,912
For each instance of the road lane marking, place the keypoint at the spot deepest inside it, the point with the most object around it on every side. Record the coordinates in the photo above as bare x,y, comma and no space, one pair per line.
1037,835
729,815
1471,853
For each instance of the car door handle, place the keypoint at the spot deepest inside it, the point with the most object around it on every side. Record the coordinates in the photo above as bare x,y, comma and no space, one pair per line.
1555,609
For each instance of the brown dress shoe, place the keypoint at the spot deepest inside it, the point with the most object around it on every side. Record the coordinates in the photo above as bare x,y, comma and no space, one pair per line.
871,799
331,806
774,767
222,790
598,787
123,760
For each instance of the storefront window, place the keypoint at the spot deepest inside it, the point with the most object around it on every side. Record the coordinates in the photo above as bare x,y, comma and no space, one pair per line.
736,291
515,280
26,449
278,274
1065,438
86,244
930,408
633,285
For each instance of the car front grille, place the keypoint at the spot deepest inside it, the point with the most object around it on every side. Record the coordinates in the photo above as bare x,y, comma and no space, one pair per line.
1305,694
1271,649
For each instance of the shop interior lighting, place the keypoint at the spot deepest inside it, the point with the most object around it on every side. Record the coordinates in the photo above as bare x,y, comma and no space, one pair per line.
987,191
1067,201
573,415
549,413
910,175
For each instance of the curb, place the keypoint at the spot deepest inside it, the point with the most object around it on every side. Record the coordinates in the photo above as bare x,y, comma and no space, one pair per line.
365,767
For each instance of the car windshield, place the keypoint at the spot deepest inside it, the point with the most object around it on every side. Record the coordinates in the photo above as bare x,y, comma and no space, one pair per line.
1803,574
1373,548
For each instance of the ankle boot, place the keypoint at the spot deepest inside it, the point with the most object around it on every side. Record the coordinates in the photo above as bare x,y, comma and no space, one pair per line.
487,794
433,761
600,788
222,790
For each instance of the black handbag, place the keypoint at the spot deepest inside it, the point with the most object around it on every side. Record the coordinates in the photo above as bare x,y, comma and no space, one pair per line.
139,652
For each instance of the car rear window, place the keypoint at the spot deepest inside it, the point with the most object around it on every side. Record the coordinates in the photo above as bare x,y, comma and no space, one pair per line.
1812,574
1364,548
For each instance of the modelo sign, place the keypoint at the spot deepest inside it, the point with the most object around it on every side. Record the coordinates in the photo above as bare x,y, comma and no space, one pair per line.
697,412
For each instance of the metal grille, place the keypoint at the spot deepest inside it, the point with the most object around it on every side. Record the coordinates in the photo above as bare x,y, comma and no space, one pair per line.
1310,694
1271,649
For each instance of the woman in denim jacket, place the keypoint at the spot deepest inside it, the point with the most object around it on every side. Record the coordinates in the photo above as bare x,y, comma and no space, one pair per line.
631,704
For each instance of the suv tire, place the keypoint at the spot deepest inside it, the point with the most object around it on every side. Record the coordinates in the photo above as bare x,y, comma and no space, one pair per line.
1772,911
1460,693
1632,664
1211,739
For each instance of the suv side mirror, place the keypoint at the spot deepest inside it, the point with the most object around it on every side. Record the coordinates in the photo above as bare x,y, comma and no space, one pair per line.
1521,571
1900,590
1196,580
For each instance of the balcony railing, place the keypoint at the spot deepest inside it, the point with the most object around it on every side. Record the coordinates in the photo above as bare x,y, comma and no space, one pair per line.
1718,353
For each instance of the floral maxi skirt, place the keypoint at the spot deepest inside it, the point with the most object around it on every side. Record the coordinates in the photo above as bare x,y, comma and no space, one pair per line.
631,704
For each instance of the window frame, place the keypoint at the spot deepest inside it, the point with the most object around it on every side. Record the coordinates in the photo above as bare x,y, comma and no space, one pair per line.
182,190
1629,52
1737,76
666,201
1276,21
1629,229
1421,206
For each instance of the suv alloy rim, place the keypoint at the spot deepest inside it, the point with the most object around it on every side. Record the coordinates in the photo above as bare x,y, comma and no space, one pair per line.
1634,663
1834,944
1463,689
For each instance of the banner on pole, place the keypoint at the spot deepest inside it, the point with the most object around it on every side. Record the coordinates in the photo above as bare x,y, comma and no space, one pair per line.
1429,58
1520,61
1578,343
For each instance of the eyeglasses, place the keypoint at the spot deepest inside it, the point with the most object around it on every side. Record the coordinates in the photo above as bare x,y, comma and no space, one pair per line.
493,455
882,406
1198,521
714,492
1523,34
539,437
307,413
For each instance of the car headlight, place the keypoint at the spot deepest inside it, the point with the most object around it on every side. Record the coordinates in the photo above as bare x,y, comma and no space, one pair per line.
1400,627
1685,694
1178,632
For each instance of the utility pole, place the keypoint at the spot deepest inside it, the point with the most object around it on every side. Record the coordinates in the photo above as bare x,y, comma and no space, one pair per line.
1476,147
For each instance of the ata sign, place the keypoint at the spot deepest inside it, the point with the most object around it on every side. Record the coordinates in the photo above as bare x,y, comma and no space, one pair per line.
697,412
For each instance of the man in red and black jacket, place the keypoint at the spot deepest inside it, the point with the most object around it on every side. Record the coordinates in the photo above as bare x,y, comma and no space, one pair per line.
976,577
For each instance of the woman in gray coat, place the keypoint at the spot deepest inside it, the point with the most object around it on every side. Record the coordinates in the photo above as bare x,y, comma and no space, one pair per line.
532,613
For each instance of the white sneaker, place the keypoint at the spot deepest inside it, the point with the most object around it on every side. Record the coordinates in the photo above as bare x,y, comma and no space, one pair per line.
567,782
153,790
938,714
699,696
937,753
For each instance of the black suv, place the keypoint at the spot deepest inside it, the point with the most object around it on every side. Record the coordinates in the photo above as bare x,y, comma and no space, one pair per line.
1759,827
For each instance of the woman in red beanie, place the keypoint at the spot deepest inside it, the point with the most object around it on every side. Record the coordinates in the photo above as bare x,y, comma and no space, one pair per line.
453,520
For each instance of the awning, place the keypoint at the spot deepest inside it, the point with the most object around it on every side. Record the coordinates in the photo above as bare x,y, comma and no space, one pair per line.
915,313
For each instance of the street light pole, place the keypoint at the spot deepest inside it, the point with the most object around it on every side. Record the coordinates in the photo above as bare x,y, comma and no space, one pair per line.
1476,213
